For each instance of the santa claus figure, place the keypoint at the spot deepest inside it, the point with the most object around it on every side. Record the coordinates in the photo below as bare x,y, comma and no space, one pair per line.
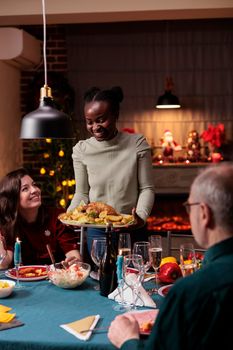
168,144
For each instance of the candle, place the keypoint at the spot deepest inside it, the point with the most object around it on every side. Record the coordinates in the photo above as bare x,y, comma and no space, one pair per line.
216,157
119,264
17,252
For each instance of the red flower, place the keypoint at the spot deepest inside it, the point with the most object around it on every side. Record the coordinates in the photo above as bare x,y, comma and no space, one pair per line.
215,135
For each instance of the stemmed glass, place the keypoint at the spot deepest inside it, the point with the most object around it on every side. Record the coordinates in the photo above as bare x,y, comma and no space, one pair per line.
133,279
188,263
124,248
143,249
98,249
124,244
156,257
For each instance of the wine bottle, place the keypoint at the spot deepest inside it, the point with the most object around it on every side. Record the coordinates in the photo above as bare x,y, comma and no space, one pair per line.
108,276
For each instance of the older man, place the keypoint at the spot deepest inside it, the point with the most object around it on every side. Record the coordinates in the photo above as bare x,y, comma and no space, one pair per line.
197,312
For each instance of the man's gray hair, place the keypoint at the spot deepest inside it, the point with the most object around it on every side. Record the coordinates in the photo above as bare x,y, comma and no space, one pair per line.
214,186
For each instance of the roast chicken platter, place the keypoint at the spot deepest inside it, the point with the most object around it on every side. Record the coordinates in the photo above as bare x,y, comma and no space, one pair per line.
95,214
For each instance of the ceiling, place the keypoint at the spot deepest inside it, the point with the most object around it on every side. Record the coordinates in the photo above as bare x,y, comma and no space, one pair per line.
29,12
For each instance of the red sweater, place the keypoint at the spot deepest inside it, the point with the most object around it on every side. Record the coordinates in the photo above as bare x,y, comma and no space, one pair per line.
50,230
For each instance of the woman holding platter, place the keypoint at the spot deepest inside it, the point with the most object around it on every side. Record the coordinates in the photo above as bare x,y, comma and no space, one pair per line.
112,167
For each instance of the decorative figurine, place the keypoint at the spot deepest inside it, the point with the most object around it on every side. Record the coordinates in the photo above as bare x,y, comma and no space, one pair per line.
169,145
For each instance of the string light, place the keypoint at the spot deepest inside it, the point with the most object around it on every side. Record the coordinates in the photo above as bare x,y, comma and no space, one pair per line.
62,202
42,171
61,153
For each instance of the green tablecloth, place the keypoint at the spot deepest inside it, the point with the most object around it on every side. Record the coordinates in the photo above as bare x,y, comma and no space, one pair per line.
43,307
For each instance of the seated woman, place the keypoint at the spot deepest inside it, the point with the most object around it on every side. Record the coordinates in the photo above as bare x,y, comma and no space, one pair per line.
22,215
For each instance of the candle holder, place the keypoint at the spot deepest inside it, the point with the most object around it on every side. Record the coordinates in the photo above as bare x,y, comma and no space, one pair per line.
18,285
17,262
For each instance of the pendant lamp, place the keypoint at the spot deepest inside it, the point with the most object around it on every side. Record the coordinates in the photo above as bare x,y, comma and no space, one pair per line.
168,99
46,121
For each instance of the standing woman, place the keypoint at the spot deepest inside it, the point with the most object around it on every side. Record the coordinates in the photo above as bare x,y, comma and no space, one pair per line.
112,167
22,215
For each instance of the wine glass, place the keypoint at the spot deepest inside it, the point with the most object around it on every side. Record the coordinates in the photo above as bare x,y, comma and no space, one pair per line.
124,244
188,263
143,249
98,249
124,248
133,278
155,256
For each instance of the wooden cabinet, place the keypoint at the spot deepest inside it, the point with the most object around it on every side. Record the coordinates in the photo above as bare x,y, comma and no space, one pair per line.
175,178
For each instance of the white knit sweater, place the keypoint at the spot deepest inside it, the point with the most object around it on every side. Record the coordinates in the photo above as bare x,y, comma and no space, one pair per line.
117,172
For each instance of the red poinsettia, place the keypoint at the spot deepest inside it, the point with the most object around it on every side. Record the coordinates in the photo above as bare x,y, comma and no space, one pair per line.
215,135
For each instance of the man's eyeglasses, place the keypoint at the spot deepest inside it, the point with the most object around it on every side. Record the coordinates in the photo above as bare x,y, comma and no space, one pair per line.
187,206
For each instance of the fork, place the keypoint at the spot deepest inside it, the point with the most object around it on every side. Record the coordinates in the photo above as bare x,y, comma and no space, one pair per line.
98,329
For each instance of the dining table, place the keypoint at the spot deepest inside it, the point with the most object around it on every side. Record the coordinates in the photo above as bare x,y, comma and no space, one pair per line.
42,307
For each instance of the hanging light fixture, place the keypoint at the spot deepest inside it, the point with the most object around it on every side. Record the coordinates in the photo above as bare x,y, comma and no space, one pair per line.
168,100
46,121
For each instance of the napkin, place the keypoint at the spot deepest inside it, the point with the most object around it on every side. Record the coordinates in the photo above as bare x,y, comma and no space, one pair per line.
14,323
142,297
4,308
8,320
5,316
76,327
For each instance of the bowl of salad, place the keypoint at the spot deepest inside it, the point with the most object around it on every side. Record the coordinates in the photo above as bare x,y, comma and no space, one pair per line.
6,288
69,277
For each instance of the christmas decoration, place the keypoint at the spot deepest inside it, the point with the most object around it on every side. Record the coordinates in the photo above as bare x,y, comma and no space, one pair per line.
193,146
55,172
168,144
215,136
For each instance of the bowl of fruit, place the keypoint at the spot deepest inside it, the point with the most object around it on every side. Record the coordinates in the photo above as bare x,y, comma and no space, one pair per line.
69,277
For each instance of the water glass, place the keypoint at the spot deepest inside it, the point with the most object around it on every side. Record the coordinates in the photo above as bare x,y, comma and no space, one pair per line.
143,249
98,249
188,263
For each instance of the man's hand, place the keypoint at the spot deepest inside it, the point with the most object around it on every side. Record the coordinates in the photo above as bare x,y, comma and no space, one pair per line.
123,328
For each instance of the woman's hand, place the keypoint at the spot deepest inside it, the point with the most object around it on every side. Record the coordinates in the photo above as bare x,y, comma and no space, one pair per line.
123,328
72,257
138,222
6,256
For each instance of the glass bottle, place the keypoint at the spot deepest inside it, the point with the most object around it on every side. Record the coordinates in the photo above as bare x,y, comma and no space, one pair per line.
108,276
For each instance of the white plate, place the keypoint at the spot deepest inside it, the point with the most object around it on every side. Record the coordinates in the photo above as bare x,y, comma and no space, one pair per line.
164,290
11,273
